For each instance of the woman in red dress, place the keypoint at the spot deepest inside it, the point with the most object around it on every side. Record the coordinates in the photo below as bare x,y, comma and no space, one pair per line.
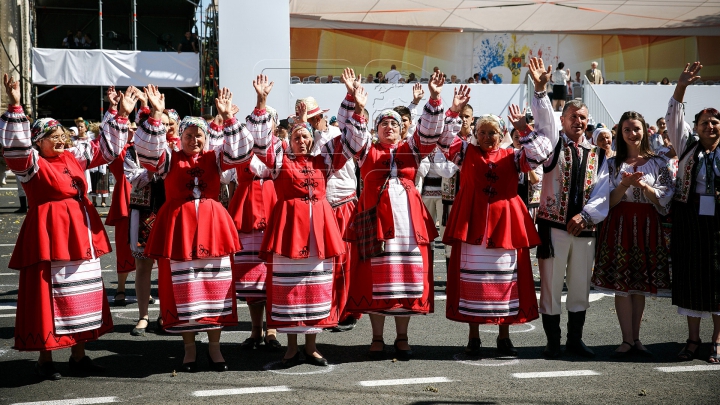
302,238
490,276
194,275
399,281
61,298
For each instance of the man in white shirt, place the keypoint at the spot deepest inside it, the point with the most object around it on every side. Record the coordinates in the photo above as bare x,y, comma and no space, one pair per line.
594,74
393,76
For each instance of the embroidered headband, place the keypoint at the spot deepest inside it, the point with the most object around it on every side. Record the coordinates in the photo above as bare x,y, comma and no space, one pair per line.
301,125
173,115
42,127
389,114
189,121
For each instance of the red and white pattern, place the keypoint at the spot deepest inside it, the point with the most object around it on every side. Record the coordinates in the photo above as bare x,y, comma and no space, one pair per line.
302,289
77,295
398,272
201,288
249,270
488,282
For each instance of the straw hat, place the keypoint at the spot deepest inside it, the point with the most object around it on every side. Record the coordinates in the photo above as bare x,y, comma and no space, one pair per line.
313,108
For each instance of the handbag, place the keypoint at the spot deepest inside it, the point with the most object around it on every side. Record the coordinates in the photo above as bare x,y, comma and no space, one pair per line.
365,226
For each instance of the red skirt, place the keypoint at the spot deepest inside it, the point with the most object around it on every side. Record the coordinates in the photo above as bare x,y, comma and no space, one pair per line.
632,253
249,272
34,327
361,289
527,305
168,307
125,259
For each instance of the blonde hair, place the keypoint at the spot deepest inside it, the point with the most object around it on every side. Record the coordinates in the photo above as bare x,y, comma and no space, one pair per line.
78,120
94,127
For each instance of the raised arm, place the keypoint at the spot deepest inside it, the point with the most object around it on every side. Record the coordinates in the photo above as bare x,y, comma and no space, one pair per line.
150,143
451,145
266,146
535,146
430,127
113,134
355,138
678,129
19,154
236,148
540,105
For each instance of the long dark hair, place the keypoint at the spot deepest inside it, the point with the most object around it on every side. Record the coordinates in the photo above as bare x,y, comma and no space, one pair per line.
621,152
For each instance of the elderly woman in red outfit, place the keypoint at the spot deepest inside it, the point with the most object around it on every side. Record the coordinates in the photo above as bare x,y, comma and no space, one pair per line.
302,237
61,299
490,276
193,235
397,282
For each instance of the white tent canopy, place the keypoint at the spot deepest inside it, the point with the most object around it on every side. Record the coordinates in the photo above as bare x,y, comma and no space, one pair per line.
660,17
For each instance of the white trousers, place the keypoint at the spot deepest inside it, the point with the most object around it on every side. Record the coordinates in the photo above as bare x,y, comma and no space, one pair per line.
572,265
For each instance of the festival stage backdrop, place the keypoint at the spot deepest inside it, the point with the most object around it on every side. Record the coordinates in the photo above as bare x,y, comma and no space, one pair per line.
621,57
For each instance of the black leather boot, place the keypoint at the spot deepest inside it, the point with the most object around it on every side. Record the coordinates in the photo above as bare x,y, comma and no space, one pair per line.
23,206
576,321
551,325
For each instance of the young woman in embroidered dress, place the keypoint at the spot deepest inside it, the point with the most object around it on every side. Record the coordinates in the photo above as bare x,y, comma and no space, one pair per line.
399,281
61,299
632,257
490,275
696,217
302,238
194,276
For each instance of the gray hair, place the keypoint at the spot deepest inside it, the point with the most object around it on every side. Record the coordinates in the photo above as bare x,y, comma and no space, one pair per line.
576,104
593,63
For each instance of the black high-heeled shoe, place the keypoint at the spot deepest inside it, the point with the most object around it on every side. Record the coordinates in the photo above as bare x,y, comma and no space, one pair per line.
378,354
219,366
251,343
140,331
47,371
190,367
402,354
291,362
473,347
315,361
119,302
272,345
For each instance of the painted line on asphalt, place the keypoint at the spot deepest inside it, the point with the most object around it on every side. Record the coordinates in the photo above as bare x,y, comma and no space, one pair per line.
404,381
76,401
551,374
681,369
7,274
8,305
241,391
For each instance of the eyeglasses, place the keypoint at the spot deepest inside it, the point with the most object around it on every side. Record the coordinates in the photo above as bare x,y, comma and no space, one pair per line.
57,138
391,124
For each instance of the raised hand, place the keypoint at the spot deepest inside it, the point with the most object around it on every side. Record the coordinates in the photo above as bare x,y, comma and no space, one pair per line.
436,84
301,112
262,86
689,74
142,97
113,97
224,104
126,102
234,109
348,78
461,96
12,88
517,117
418,93
156,100
539,74
361,97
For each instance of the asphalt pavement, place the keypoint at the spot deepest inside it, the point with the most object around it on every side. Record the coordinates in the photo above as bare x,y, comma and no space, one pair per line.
142,369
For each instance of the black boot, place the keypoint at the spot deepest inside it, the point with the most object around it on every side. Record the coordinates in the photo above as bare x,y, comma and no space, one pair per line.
551,325
23,206
576,321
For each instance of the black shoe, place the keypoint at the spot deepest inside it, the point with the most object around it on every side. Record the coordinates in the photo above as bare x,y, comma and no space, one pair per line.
151,301
272,345
551,325
140,331
316,361
642,352
190,367
402,354
119,302
251,343
47,371
23,206
85,366
473,347
505,347
159,330
624,355
345,325
574,344
291,362
219,366
378,354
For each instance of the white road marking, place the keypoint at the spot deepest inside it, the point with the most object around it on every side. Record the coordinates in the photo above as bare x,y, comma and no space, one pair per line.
680,369
8,274
76,401
462,358
549,374
594,296
530,328
8,305
440,297
404,381
241,391
322,370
